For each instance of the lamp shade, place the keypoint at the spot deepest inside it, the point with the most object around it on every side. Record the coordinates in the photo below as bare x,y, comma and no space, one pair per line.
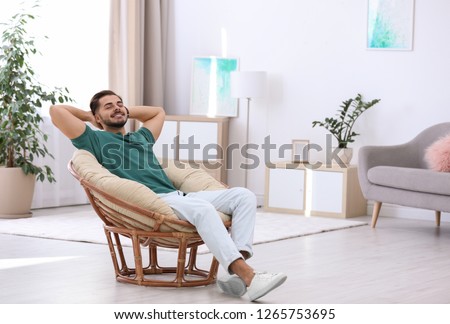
248,84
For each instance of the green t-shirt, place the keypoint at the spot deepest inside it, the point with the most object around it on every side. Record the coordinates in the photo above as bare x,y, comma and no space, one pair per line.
128,156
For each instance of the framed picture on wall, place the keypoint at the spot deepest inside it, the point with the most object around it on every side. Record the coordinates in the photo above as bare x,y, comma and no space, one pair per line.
210,87
390,24
300,151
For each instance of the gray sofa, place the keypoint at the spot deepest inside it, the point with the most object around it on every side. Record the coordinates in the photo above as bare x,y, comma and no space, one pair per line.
399,175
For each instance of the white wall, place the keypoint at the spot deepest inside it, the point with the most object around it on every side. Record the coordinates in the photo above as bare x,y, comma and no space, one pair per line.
315,54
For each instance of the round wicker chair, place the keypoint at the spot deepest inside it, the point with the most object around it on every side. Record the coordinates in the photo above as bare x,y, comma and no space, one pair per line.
131,210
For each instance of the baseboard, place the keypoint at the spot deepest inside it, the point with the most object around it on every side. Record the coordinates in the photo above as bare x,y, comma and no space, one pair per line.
389,210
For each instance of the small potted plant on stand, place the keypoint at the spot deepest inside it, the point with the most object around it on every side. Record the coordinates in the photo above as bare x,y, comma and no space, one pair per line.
341,127
21,137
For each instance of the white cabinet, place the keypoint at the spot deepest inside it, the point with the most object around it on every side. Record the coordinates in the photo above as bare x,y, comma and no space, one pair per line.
199,140
166,145
291,197
324,191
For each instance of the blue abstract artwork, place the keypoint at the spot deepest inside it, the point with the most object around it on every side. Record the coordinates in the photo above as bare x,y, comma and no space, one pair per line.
390,24
210,87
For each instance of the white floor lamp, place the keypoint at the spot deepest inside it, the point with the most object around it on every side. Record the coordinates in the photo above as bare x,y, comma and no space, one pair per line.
248,85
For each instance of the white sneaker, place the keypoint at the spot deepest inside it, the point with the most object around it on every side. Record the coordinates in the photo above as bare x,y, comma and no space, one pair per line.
264,282
232,285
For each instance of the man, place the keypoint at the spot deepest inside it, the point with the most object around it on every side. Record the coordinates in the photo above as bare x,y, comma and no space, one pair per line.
137,162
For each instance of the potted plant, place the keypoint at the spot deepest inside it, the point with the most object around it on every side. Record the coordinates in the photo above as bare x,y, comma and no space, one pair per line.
21,137
341,127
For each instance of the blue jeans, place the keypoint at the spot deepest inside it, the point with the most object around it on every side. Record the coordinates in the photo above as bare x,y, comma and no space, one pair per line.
200,209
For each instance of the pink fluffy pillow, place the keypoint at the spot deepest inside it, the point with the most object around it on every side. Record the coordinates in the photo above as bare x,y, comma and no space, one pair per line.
437,155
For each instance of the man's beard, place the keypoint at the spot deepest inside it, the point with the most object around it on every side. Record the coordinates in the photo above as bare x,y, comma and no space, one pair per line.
113,124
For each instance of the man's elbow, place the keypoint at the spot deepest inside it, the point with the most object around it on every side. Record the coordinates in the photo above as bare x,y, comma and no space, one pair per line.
157,112
55,114
51,111
161,111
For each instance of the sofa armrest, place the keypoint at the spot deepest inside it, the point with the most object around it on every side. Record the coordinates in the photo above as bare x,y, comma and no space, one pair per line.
403,155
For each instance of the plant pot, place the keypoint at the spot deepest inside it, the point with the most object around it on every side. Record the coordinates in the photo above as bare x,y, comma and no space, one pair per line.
16,193
345,154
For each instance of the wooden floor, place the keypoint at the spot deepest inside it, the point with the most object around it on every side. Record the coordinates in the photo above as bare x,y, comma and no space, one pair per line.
401,261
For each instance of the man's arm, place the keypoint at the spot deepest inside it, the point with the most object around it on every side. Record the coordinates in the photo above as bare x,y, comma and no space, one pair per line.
71,120
151,118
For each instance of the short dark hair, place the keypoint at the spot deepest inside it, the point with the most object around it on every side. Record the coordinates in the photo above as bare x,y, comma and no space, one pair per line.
96,98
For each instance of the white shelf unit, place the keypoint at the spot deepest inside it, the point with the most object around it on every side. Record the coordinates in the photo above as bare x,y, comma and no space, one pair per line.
201,140
330,191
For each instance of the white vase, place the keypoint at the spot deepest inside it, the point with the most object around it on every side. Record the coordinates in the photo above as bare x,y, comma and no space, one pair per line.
345,154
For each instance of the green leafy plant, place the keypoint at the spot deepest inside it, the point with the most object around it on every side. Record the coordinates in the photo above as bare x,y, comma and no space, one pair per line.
341,127
21,95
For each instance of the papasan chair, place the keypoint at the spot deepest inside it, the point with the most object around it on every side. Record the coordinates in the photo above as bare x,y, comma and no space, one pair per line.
131,211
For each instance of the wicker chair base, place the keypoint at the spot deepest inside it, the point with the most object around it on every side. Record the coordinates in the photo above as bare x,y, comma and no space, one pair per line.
148,230
186,273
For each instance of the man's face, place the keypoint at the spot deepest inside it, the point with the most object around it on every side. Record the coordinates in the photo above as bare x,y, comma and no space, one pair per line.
111,112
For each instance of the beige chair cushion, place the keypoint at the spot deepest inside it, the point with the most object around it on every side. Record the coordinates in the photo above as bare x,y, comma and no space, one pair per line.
184,177
189,179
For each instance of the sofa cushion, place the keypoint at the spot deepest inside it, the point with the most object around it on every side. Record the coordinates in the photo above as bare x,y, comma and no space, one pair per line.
420,180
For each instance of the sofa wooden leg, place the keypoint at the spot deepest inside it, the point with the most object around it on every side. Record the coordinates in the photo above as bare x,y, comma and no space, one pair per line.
438,218
376,212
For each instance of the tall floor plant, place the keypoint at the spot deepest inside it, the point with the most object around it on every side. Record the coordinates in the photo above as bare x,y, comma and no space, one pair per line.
21,95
